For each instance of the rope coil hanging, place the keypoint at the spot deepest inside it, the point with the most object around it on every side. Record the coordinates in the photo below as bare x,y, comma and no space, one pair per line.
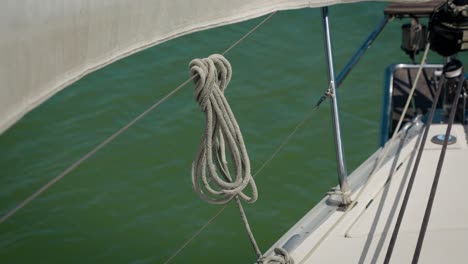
211,178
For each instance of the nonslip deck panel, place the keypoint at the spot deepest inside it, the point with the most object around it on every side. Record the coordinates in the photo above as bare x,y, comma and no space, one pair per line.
363,237
362,234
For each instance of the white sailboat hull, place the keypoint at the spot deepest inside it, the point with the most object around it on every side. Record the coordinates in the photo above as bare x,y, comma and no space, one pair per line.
362,234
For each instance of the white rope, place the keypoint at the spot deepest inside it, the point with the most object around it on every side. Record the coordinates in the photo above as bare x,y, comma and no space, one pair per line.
280,256
211,177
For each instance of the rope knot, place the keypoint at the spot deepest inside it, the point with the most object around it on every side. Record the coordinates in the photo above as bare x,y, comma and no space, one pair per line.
211,177
212,73
281,256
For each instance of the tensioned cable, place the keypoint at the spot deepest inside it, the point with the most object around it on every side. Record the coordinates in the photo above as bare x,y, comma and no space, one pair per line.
118,132
275,153
401,213
435,182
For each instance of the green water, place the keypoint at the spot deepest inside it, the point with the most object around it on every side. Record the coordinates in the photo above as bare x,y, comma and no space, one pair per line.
133,201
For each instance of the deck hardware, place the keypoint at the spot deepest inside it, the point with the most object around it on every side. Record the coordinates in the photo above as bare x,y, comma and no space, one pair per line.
439,139
399,166
342,174
369,203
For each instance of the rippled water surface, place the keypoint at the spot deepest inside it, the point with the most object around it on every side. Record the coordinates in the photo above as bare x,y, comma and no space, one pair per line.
133,202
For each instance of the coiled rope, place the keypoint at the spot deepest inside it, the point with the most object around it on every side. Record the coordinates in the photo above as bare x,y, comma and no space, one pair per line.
281,256
211,178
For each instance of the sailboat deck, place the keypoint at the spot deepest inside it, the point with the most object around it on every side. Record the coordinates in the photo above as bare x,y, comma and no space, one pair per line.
362,234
